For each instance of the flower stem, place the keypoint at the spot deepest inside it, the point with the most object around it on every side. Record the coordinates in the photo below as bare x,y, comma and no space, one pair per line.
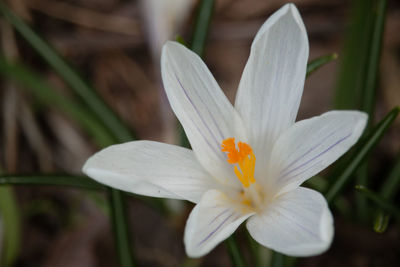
234,252
120,227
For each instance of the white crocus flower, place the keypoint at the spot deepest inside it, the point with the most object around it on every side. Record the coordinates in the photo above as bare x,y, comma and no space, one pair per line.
248,160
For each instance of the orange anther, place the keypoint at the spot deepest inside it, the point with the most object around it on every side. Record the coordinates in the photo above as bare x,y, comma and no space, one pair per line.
244,150
244,157
228,146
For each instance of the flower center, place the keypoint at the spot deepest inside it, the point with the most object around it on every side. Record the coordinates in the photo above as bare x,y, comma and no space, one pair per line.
244,159
245,162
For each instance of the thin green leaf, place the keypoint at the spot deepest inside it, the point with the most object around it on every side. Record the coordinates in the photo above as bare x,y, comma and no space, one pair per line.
374,54
81,88
361,152
319,62
383,203
46,95
368,85
354,58
203,21
234,252
121,234
10,216
388,191
392,182
52,180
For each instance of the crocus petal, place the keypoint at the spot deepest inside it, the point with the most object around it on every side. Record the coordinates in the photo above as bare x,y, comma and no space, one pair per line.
211,221
272,83
151,169
297,223
202,108
309,146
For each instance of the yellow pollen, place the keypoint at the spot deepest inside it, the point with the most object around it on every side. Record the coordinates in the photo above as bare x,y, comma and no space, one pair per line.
244,159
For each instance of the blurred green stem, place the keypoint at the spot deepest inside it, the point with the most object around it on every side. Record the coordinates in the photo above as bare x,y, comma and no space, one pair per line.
254,249
372,66
121,234
277,260
354,57
369,84
234,252
202,26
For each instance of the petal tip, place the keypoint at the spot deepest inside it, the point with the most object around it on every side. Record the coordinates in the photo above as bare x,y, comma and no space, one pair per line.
170,46
287,12
87,166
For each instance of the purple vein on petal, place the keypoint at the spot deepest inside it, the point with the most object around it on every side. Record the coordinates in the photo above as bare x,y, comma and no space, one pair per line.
295,222
223,212
215,148
301,172
209,112
317,156
215,230
306,153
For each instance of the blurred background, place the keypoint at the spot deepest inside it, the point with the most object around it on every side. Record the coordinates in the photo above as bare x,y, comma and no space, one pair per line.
115,45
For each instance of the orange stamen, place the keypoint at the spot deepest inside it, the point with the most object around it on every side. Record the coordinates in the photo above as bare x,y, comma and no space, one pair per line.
243,157
228,146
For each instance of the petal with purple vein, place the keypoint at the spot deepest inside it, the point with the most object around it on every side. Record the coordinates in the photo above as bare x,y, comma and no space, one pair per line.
213,219
202,108
151,169
297,223
309,146
272,82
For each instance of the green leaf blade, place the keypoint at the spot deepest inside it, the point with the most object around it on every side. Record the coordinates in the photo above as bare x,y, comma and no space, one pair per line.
202,26
320,62
51,180
10,216
121,232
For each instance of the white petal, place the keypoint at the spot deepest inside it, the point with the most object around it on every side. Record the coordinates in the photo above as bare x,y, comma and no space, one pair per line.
297,223
272,83
211,221
309,146
202,108
151,169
